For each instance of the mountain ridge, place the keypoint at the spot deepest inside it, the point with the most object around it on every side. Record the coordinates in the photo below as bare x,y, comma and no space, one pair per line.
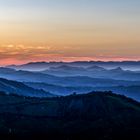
96,115
14,87
108,64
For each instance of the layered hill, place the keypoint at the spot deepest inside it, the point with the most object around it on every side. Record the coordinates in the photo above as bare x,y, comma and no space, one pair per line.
26,76
67,85
132,91
19,88
37,66
96,116
95,72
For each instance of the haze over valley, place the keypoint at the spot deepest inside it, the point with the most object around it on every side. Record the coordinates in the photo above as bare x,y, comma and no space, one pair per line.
70,69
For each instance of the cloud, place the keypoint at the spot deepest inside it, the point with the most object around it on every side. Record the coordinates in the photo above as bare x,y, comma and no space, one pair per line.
22,52
10,53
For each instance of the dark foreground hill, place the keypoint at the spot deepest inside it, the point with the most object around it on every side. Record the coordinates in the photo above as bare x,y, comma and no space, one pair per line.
98,116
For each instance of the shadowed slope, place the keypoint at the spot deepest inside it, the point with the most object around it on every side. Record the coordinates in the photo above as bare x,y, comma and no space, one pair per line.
95,115
19,88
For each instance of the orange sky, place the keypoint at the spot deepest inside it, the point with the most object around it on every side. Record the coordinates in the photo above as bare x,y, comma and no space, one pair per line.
59,30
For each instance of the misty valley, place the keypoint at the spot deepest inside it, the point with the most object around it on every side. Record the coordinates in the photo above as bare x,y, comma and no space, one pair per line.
69,69
70,100
62,79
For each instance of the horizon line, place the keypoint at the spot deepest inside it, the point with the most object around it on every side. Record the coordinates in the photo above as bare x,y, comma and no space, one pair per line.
115,61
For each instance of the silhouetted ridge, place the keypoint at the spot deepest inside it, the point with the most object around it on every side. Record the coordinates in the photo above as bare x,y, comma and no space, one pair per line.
118,69
10,86
109,64
96,68
97,115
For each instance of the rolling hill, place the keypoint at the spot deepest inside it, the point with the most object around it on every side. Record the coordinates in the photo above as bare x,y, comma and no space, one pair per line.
94,72
97,115
132,91
26,76
38,66
19,88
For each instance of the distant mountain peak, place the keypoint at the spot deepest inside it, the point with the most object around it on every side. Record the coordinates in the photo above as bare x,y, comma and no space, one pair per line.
119,69
13,65
43,65
64,66
67,67
42,62
95,67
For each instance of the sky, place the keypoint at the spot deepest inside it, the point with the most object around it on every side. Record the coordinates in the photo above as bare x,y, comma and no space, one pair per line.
69,30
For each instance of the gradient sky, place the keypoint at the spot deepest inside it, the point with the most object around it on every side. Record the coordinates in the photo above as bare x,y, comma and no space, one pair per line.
69,30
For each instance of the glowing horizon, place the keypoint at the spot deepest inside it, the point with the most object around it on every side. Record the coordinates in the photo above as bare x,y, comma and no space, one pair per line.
72,30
